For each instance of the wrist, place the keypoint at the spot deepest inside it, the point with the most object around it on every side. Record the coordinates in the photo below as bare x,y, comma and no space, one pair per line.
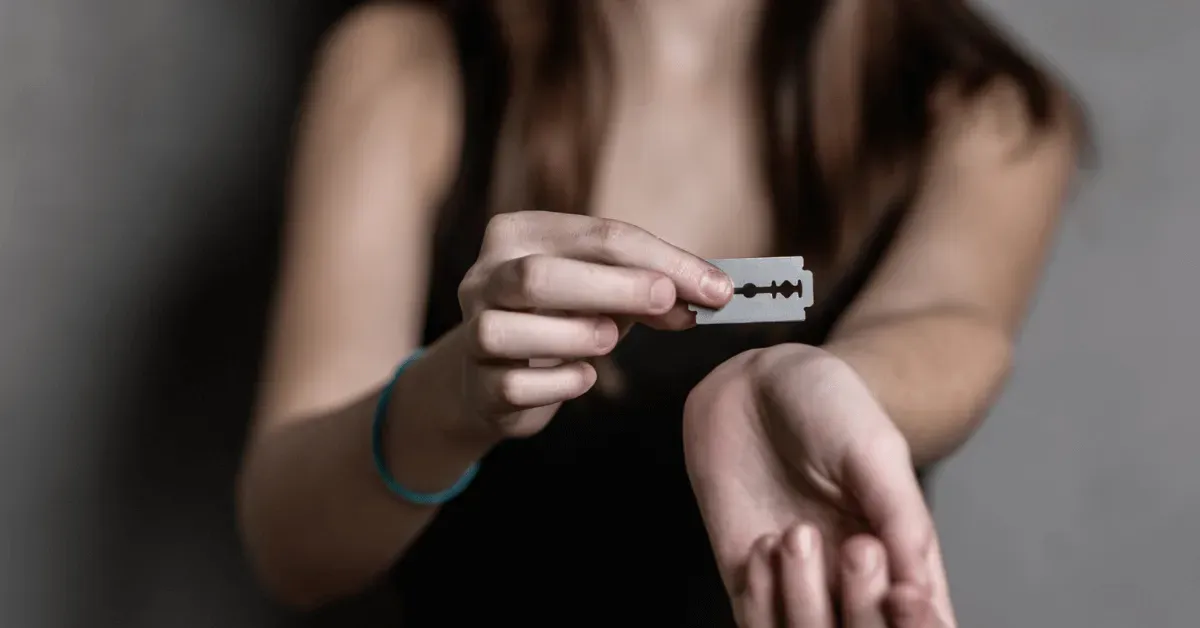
427,444
459,422
788,364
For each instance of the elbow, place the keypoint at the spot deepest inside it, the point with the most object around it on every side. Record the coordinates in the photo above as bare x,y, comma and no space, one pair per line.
295,596
281,563
994,364
267,556
283,587
284,584
938,373
971,392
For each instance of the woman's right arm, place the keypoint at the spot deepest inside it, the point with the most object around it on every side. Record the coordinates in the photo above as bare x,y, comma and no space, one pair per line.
377,151
377,148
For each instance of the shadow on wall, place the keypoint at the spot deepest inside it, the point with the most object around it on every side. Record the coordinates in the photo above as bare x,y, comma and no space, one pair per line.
168,552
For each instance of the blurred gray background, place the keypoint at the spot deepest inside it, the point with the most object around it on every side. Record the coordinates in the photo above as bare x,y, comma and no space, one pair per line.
141,158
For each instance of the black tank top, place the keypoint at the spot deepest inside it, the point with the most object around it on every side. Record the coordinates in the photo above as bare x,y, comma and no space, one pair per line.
592,521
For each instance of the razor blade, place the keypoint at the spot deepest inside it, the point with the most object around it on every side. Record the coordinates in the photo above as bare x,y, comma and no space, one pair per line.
766,290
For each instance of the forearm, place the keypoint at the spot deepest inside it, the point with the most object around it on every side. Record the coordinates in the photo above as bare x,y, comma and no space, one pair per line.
936,374
317,520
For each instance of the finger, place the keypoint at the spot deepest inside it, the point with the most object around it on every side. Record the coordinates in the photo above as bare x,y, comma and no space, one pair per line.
805,588
886,486
864,583
622,244
677,318
511,388
909,607
939,586
756,603
557,283
505,335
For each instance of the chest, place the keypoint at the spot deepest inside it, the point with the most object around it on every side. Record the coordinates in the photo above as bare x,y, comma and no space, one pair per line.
687,170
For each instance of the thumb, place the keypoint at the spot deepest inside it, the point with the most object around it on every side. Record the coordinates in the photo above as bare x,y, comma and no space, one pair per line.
882,478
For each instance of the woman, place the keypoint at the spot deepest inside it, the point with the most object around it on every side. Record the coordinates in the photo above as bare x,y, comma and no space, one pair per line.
629,472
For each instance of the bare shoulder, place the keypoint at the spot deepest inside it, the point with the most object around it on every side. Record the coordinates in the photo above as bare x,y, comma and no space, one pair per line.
996,126
376,41
390,70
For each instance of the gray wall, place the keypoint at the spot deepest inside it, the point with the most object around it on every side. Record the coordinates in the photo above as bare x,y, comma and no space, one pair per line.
1079,502
141,152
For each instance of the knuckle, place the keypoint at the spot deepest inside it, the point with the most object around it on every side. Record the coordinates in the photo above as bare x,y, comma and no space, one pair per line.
687,269
508,388
502,228
609,234
489,333
468,290
532,276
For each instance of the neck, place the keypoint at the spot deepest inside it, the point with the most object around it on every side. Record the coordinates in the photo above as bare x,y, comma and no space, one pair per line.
686,39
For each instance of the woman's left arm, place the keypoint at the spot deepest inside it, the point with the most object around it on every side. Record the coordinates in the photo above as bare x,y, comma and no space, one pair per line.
933,331
826,438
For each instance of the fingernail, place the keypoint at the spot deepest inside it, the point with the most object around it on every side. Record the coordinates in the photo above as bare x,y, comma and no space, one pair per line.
806,540
662,294
865,562
606,335
716,285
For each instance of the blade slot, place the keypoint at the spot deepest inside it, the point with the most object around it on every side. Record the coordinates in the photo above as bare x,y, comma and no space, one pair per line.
783,289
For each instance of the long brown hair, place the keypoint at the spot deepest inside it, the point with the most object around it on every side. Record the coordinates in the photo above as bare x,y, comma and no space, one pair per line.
841,146
843,89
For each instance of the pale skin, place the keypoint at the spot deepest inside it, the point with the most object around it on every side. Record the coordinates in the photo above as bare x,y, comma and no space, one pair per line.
922,352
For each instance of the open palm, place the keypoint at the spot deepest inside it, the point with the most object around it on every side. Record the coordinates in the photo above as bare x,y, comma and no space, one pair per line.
790,457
